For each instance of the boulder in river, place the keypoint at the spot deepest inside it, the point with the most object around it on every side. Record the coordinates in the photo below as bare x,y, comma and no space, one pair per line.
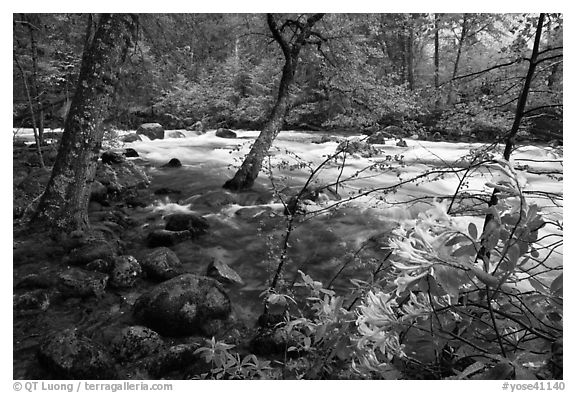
223,273
183,305
111,157
165,238
121,177
225,133
151,130
356,146
129,153
377,138
125,272
76,282
136,342
173,163
97,249
132,137
161,264
196,225
70,355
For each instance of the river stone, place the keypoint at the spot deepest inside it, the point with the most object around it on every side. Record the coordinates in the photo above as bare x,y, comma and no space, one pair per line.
35,300
151,130
136,342
76,282
132,137
110,157
161,264
174,134
196,225
401,143
223,273
100,265
72,356
182,305
164,238
358,147
225,133
377,138
97,249
125,272
173,163
176,358
129,153
37,280
120,177
198,126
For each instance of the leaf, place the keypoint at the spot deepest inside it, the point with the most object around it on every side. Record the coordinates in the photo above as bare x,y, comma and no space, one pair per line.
471,369
557,286
537,285
467,250
512,258
472,230
455,240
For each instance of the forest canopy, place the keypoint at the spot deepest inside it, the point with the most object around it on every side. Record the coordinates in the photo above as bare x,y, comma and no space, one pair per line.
456,74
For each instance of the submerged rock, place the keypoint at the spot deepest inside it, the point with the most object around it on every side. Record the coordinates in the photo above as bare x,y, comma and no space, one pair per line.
76,282
164,238
196,225
72,356
136,342
35,300
223,273
97,249
183,305
125,272
161,264
100,265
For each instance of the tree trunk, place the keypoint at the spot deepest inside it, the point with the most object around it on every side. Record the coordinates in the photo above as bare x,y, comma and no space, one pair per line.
410,54
511,136
64,204
463,34
436,51
250,168
32,22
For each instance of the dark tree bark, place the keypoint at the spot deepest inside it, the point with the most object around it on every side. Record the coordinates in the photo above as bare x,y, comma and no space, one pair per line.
463,34
33,22
64,204
436,50
248,171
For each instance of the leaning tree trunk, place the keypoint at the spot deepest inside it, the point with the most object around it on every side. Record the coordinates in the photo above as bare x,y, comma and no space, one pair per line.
248,172
463,34
64,204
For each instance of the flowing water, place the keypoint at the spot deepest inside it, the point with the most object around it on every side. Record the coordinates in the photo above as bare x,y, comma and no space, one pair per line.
247,230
